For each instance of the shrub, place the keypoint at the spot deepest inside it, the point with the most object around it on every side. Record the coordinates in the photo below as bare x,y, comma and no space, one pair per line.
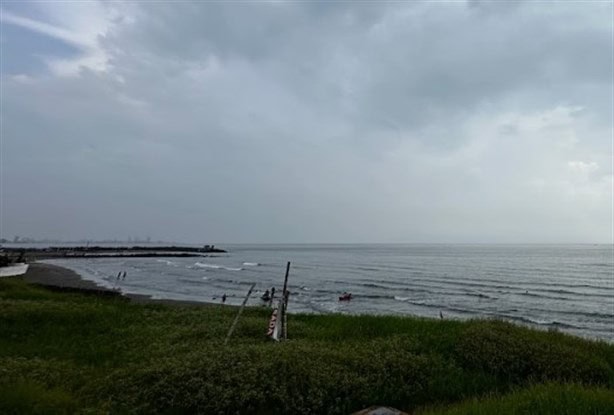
28,397
548,399
518,354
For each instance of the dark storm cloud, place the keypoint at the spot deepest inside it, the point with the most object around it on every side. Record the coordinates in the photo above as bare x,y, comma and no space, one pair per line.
297,121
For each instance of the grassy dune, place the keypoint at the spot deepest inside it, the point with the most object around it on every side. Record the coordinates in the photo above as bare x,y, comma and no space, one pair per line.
66,353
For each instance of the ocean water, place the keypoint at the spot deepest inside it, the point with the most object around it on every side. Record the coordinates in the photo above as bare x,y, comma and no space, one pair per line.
564,287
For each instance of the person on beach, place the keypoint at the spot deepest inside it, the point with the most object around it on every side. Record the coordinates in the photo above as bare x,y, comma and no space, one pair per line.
224,299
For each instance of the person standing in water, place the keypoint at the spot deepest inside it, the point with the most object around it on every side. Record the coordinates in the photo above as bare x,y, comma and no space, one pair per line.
224,299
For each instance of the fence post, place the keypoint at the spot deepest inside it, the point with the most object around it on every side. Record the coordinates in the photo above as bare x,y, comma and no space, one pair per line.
285,295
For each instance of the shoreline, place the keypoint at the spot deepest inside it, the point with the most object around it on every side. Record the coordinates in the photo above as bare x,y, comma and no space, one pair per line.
58,278
62,279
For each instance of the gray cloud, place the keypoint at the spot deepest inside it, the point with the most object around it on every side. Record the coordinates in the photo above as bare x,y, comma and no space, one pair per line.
298,122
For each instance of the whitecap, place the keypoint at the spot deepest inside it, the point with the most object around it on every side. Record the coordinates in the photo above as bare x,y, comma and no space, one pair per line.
213,266
203,265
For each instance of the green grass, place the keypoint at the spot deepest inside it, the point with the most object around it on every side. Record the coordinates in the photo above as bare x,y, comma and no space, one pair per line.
66,353
551,399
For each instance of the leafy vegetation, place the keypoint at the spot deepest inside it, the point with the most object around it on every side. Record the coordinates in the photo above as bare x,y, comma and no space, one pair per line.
552,399
61,353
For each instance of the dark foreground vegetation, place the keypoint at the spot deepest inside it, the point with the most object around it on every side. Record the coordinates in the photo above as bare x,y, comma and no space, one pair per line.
68,352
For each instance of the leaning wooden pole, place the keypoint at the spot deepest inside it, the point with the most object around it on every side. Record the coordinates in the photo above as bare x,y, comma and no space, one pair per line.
285,322
286,278
234,323
285,303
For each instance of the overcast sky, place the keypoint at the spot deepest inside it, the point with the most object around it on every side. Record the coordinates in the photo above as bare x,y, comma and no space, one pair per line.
308,121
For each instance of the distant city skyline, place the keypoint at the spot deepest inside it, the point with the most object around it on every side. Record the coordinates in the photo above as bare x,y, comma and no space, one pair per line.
29,239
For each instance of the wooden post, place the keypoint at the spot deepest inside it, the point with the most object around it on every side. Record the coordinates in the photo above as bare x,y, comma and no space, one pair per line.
286,279
284,307
285,322
234,323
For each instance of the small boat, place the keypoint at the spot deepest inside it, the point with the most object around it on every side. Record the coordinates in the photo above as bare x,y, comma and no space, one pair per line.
345,297
14,269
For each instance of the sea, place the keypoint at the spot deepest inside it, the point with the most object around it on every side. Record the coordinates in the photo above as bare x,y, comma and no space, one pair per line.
554,287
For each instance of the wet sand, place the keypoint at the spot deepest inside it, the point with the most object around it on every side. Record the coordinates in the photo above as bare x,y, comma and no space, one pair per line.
58,278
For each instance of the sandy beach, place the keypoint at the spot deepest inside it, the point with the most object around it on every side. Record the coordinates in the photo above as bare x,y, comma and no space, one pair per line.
63,279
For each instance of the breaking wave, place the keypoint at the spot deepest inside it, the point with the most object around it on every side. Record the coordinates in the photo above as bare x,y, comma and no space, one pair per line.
214,266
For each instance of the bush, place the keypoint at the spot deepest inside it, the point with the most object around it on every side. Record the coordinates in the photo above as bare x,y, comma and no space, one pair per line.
285,378
33,398
518,354
549,399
